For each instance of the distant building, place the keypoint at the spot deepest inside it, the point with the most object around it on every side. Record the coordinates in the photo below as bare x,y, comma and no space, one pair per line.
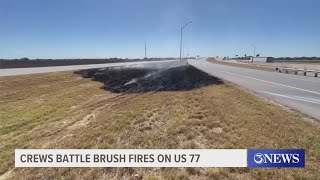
260,59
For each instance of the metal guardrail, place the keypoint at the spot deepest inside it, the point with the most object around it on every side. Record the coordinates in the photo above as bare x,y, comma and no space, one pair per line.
305,71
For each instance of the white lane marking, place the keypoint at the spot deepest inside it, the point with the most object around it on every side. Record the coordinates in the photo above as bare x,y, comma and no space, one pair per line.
270,82
310,100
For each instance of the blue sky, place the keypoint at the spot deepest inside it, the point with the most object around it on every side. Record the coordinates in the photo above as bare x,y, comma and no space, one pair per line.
119,28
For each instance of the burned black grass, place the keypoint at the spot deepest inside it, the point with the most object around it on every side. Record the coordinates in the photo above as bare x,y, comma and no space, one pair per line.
141,79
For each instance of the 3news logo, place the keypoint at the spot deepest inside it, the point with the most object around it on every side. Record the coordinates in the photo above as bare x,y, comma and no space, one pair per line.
262,158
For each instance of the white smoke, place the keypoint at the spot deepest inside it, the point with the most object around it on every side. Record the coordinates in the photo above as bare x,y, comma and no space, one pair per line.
158,70
134,80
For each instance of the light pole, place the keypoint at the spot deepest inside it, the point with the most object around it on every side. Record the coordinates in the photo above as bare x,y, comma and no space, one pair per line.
184,26
145,50
254,50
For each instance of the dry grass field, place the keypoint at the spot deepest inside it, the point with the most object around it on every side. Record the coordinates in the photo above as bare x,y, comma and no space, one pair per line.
65,110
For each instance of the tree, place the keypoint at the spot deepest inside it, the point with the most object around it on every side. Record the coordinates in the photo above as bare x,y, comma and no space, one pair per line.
24,59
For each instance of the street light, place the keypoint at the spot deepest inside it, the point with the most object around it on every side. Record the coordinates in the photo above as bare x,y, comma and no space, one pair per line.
254,50
184,26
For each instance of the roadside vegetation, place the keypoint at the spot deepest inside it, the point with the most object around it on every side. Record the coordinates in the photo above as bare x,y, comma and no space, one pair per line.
297,59
65,110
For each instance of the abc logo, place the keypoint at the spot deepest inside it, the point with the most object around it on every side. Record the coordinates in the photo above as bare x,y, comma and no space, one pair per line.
259,158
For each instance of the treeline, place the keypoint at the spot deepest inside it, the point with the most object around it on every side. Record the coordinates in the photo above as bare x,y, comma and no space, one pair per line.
280,59
25,62
296,59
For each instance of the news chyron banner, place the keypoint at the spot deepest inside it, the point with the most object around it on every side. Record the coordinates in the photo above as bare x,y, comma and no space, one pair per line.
252,158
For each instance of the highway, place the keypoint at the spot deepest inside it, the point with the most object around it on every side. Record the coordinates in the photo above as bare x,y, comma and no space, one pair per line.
297,92
36,70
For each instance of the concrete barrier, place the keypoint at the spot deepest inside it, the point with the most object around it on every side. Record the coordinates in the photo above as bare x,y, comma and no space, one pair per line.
305,71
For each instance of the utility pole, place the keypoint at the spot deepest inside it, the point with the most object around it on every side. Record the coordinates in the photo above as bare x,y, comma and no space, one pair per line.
184,26
182,52
254,50
145,50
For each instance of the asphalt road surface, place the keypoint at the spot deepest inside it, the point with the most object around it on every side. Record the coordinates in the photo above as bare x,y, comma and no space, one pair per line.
297,92
36,70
